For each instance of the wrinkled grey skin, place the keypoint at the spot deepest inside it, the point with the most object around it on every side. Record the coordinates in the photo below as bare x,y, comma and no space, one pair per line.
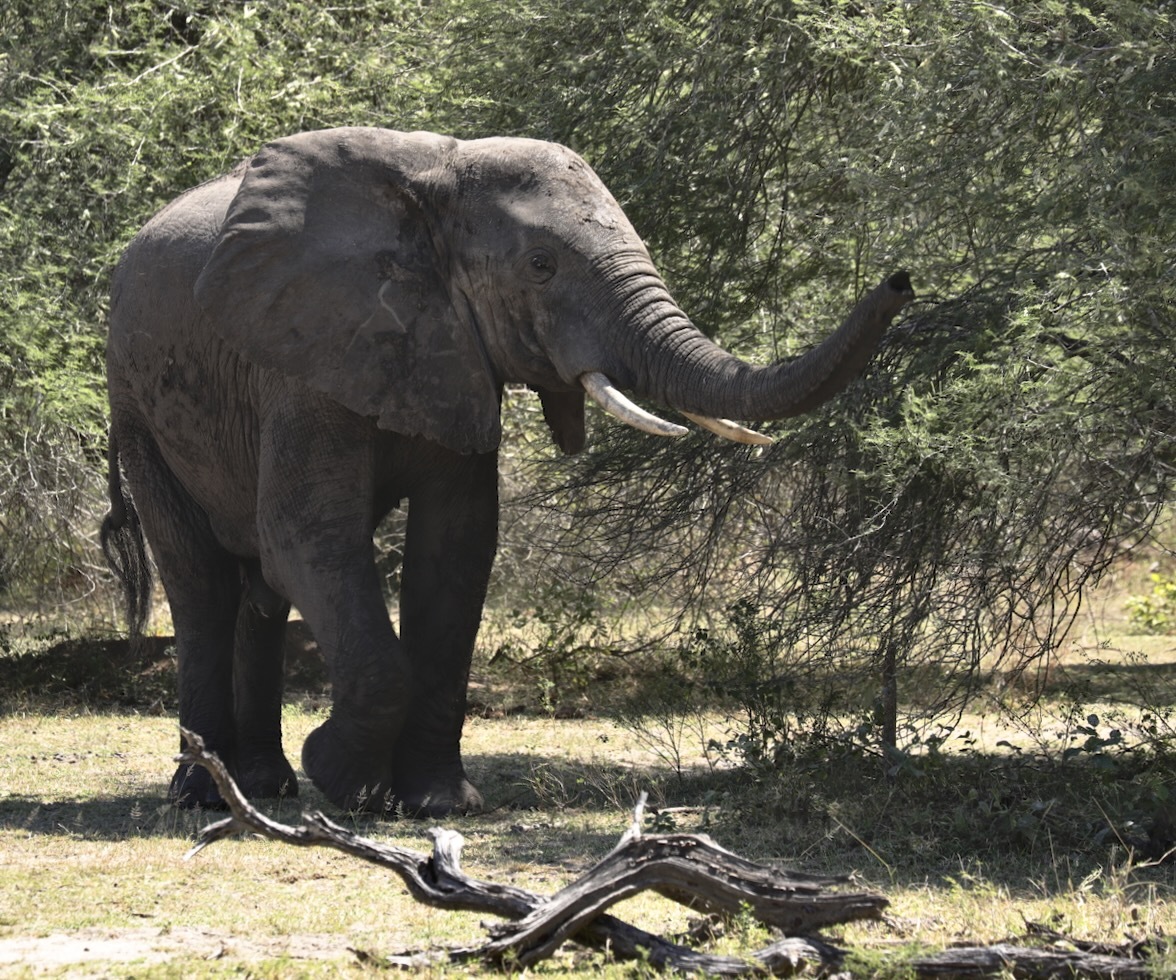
307,342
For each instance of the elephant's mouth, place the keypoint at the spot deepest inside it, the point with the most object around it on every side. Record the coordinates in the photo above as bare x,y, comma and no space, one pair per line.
610,398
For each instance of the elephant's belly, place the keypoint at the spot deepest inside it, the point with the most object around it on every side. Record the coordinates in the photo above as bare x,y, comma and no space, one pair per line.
223,489
200,412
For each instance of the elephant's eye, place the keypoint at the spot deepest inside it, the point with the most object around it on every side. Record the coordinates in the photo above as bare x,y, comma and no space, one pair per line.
540,265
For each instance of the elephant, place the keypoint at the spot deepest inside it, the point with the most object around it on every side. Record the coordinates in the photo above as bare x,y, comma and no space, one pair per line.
302,344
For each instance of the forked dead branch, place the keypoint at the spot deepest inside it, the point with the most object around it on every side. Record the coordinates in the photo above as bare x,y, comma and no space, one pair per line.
687,868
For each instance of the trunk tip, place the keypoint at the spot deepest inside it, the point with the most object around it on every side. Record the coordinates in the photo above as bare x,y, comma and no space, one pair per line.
900,282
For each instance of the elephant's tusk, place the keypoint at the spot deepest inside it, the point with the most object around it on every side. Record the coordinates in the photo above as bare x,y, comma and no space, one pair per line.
612,401
730,430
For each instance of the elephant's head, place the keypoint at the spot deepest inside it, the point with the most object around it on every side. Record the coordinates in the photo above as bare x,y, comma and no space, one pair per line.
411,275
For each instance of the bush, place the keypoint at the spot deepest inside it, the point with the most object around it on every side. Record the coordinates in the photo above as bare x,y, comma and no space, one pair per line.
945,514
557,647
781,703
944,517
1155,613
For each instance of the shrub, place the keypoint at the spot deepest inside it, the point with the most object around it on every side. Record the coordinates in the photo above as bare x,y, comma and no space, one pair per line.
1155,613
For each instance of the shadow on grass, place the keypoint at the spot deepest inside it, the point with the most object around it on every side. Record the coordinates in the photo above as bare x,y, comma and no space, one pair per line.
62,671
114,818
1136,681
926,819
937,819
1020,825
53,672
524,794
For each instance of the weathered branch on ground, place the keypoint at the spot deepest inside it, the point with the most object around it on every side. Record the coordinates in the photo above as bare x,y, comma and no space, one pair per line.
1028,963
690,869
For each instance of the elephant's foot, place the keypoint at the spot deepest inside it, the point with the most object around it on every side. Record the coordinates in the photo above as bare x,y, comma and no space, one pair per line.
429,779
265,776
193,787
351,774
431,794
355,778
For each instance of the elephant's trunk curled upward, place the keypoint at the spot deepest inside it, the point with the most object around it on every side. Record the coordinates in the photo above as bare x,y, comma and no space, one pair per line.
686,371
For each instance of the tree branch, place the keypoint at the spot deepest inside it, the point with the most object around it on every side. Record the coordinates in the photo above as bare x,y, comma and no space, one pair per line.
690,869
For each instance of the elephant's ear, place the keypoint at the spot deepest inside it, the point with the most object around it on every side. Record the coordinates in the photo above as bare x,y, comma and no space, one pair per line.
328,269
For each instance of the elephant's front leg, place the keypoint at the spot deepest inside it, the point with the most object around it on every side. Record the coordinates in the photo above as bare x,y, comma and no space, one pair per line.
449,550
350,755
315,534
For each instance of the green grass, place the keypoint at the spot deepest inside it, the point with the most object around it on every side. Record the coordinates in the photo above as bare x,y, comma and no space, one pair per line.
1012,819
91,856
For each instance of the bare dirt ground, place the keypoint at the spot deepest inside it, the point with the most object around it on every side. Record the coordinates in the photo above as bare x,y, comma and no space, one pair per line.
159,945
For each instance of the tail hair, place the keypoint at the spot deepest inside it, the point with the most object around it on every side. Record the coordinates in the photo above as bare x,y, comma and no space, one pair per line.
125,549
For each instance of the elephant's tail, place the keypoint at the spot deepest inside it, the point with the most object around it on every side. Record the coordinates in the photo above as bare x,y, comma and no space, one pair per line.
124,547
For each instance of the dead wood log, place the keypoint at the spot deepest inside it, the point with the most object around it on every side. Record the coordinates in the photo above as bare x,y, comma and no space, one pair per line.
1027,963
690,869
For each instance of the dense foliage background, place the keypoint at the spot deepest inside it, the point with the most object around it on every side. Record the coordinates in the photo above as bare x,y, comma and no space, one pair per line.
1014,432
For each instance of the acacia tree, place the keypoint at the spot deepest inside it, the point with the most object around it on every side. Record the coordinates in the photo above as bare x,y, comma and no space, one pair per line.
106,113
946,514
946,511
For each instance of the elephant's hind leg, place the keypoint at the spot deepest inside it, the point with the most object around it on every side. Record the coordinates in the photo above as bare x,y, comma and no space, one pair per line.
203,587
260,766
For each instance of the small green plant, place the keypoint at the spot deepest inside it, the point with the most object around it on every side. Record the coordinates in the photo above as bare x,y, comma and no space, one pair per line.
779,702
889,964
670,716
558,643
1099,747
1156,613
746,928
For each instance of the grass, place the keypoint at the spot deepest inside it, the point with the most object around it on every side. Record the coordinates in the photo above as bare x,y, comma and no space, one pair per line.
90,853
1010,820
88,848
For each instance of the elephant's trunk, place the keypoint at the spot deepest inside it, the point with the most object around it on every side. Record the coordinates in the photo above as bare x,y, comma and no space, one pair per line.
676,365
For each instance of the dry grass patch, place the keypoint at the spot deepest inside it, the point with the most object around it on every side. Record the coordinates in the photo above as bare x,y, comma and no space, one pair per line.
1014,818
93,873
93,870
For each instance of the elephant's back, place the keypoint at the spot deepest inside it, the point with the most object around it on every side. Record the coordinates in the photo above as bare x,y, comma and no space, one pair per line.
159,267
